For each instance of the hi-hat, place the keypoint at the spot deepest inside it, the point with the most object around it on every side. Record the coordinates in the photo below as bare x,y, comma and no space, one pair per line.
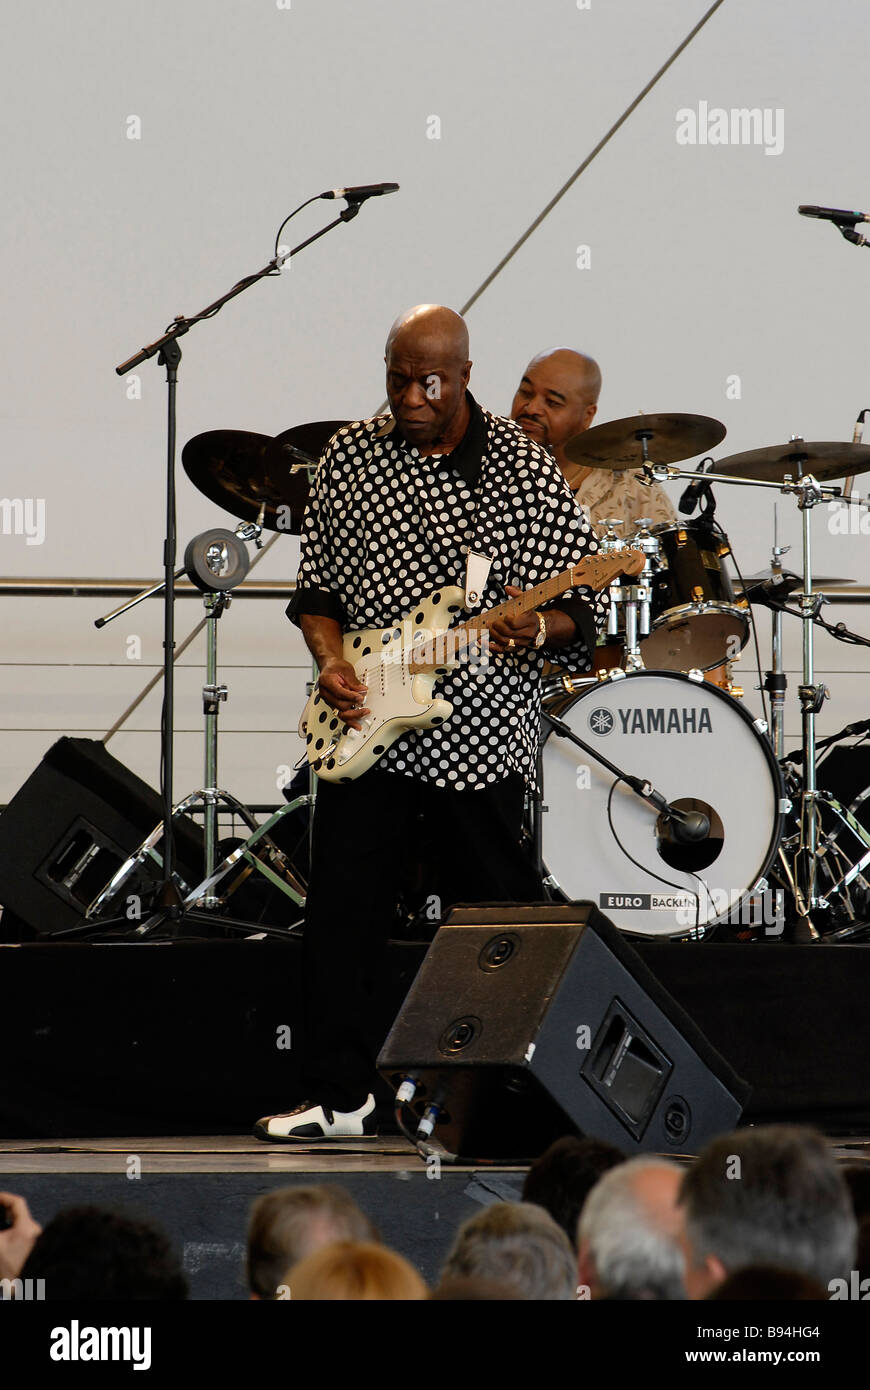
824,461
619,444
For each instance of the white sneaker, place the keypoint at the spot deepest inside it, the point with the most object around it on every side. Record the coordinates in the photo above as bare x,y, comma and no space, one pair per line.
312,1121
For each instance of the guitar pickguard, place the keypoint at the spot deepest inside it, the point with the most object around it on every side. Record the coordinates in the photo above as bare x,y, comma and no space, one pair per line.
399,697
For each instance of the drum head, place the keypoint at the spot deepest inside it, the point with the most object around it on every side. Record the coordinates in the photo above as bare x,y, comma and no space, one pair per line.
701,750
690,637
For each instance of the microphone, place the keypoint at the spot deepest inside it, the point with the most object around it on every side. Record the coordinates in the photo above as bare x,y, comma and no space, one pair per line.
687,827
365,190
840,216
689,499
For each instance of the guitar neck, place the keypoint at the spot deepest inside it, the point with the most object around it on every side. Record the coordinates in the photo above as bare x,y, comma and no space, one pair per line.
596,571
529,600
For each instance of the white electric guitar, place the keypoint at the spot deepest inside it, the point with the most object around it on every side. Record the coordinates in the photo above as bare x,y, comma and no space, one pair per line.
400,665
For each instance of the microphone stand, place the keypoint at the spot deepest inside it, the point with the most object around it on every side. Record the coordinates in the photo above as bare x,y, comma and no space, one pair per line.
695,824
168,353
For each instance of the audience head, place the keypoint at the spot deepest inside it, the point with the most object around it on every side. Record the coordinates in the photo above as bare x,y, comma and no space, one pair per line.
287,1225
354,1271
772,1195
562,1178
96,1253
517,1244
629,1233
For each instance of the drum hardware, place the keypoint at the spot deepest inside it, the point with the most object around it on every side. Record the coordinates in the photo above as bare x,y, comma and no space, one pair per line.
776,583
216,562
837,870
631,601
611,540
812,697
784,468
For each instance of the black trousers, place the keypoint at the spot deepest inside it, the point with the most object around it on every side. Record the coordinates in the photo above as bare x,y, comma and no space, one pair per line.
364,834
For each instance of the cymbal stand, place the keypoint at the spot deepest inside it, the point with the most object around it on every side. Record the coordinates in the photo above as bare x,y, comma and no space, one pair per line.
809,492
216,561
775,680
812,697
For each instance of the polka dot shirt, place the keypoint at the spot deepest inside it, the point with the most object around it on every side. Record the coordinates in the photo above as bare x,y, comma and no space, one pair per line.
385,527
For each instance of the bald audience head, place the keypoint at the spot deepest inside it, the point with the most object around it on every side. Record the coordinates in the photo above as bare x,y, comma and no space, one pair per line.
557,398
427,375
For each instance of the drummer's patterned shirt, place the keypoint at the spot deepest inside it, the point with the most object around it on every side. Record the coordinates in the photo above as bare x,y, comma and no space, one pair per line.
385,527
606,493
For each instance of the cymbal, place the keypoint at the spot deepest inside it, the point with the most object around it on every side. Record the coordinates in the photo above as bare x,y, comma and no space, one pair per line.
671,438
312,438
247,473
766,576
824,460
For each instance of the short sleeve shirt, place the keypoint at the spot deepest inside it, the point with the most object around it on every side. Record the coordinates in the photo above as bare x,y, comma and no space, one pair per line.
606,493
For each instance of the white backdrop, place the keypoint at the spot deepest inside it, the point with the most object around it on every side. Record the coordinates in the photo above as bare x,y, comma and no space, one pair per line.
699,271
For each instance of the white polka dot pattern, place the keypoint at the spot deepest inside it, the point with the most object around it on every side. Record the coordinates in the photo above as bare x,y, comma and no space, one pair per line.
385,526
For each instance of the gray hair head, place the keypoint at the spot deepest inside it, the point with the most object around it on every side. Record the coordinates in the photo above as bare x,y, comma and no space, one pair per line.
772,1195
286,1225
633,1242
518,1244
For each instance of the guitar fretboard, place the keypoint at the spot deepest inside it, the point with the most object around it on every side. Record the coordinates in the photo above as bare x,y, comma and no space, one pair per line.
596,572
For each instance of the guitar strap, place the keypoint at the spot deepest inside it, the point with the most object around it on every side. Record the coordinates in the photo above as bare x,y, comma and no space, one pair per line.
488,534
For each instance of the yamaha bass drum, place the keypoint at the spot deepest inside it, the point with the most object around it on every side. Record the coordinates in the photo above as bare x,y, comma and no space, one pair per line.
704,752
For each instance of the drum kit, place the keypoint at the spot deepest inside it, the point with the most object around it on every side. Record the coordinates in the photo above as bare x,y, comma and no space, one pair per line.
767,861
747,843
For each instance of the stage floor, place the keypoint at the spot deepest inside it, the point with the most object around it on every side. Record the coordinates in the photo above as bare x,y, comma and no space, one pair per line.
214,1154
233,1153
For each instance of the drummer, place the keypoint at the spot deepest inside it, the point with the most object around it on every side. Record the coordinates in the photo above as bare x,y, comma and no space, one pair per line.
556,400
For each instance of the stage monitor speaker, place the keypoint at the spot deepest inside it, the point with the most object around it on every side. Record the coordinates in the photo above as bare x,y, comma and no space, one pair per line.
528,1023
70,827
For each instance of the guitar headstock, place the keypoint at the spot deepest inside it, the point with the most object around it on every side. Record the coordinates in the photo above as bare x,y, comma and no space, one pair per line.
631,561
597,571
